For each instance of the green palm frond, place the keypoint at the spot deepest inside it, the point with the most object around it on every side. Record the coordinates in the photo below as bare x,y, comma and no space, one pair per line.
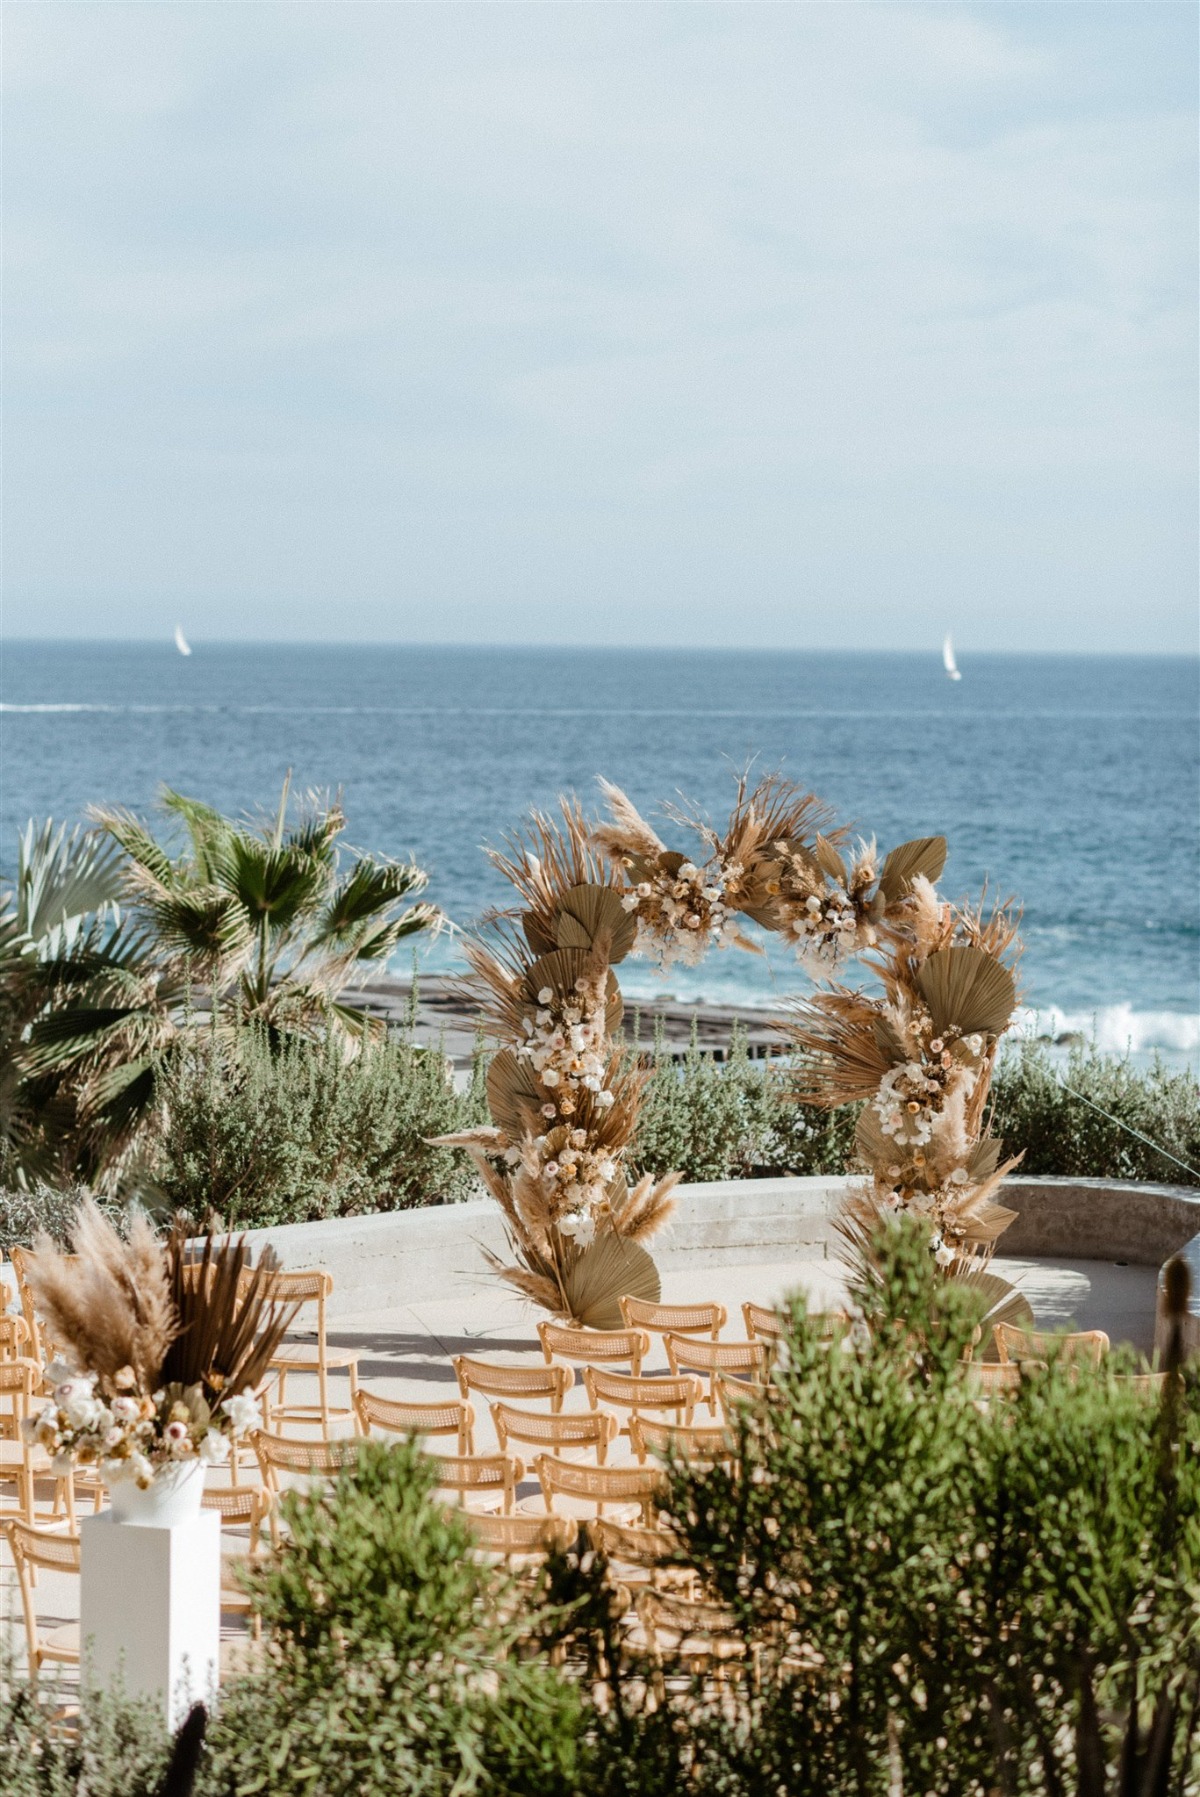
371,887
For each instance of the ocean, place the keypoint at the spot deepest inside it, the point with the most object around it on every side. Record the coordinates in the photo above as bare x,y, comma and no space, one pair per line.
1069,782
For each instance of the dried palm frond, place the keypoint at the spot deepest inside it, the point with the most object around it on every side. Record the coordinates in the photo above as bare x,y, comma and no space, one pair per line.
840,1058
600,1275
229,1327
967,991
921,859
644,1209
546,860
108,1305
627,837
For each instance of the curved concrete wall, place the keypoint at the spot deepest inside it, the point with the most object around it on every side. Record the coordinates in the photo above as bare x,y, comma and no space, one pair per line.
416,1255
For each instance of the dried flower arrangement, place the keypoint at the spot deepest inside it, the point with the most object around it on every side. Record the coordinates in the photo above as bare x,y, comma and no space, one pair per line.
921,1055
159,1351
563,1098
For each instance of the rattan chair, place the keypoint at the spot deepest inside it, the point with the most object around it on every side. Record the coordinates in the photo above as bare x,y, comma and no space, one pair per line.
567,1434
635,1396
640,1556
674,1319
733,1360
33,1549
494,1379
572,1488
697,1638
40,1348
988,1376
21,1464
762,1323
14,1338
489,1481
239,1507
315,1357
450,1417
699,1447
1086,1347
518,1539
288,1464
594,1347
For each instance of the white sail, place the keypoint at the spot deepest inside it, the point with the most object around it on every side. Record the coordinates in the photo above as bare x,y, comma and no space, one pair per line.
948,661
185,648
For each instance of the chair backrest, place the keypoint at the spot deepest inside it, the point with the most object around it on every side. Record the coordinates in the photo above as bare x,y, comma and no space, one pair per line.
623,1392
522,1535
600,1485
592,1429
733,1360
450,1417
696,1629
32,1548
490,1474
1150,1384
14,1337
677,1319
238,1506
1085,1347
495,1380
589,1346
762,1323
39,1347
296,1290
701,1447
281,1458
19,1381
735,1395
649,1550
990,1375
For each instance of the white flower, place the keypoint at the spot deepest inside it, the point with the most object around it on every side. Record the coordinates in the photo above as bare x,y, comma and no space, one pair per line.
580,1226
629,902
604,1101
607,1170
944,1255
214,1449
243,1412
125,1410
551,1169
959,1177
549,1077
59,1371
546,995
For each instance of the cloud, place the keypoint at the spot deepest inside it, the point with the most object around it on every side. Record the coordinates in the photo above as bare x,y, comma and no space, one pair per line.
489,304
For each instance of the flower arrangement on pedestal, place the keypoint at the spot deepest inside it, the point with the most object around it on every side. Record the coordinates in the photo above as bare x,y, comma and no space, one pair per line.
160,1348
562,1095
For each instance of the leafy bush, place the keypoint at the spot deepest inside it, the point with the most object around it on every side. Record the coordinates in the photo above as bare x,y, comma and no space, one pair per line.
387,1667
1063,1132
731,1121
120,1747
270,1134
22,1214
935,1597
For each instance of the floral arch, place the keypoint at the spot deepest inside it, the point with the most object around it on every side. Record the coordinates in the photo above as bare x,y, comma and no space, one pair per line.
564,1094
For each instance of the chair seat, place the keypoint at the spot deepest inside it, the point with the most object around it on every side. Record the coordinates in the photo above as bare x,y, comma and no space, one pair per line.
582,1509
301,1357
60,1643
486,1502
15,1456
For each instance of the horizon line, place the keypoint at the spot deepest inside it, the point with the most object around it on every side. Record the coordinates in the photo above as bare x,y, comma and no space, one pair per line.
538,647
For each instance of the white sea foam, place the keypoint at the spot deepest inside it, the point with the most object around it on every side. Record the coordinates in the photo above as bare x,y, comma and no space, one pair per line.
1118,1029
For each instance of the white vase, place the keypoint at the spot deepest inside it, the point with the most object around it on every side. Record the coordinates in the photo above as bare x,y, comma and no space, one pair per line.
173,1495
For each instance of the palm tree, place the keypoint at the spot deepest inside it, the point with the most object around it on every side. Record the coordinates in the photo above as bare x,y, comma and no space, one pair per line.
266,922
60,925
267,917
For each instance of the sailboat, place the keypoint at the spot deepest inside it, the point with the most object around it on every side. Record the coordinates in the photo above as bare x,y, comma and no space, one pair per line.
948,661
185,648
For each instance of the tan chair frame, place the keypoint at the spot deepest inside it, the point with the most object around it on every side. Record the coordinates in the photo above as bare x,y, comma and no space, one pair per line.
704,1318
586,1347
579,1429
494,1379
32,1548
733,1359
450,1417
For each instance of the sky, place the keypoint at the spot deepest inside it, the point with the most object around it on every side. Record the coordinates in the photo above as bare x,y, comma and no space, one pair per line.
797,325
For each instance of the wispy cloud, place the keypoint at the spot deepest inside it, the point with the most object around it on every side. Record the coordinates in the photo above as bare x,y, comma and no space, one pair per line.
821,324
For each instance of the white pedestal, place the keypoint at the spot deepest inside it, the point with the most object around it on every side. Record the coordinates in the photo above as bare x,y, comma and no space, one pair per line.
150,1608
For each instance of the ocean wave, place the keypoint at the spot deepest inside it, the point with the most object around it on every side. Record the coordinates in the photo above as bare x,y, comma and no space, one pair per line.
1116,1029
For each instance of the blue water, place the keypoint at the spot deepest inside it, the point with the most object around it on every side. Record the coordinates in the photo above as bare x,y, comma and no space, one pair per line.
1071,782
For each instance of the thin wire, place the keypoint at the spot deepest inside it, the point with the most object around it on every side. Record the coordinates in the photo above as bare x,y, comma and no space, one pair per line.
1129,1129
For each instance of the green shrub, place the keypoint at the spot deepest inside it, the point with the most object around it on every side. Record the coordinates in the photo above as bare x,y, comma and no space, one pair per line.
733,1119
1063,1132
387,1670
935,1597
269,1134
22,1213
119,1747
